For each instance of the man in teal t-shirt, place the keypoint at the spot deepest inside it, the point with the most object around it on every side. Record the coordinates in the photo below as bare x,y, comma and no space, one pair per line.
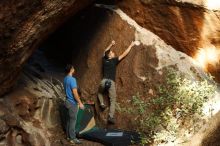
71,103
69,84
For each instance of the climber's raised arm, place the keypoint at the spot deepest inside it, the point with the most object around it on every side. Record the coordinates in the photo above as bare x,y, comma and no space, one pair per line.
109,47
125,53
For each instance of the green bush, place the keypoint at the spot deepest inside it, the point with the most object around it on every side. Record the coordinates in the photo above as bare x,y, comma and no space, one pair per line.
177,99
183,96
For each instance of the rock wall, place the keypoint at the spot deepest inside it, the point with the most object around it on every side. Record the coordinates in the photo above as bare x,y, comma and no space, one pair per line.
186,25
24,25
89,33
29,115
136,74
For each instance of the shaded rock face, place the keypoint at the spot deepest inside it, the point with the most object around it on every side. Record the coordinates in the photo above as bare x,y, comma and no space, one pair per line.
20,107
30,114
39,104
19,13
32,23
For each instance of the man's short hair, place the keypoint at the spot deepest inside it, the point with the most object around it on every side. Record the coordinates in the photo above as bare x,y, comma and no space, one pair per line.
107,54
68,68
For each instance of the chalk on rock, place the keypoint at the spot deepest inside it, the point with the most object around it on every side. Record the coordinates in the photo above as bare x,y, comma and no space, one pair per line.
137,43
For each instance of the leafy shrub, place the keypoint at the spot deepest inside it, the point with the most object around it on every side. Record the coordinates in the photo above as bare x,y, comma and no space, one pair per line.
178,100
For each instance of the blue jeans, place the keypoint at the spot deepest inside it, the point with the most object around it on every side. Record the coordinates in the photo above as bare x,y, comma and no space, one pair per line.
71,120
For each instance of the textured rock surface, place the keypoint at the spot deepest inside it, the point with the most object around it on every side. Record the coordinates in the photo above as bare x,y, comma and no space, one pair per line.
24,25
29,115
186,25
137,73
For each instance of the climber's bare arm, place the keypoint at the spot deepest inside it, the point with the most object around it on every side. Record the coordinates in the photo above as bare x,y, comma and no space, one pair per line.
109,47
125,53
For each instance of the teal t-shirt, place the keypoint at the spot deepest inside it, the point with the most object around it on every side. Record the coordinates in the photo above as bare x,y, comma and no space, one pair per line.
69,84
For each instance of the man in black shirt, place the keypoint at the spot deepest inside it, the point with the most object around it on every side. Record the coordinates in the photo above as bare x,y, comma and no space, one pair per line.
108,82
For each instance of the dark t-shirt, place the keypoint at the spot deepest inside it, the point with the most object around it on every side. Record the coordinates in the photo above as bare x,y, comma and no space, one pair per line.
109,68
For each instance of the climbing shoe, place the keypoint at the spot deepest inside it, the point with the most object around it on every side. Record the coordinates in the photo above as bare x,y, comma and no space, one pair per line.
75,141
103,106
111,120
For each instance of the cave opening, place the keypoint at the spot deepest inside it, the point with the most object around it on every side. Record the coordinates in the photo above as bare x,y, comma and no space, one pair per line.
71,42
73,37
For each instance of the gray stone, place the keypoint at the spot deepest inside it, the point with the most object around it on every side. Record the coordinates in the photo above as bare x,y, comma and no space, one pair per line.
3,127
19,139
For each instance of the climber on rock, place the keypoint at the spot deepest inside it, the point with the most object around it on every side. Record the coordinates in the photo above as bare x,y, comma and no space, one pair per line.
110,61
72,101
